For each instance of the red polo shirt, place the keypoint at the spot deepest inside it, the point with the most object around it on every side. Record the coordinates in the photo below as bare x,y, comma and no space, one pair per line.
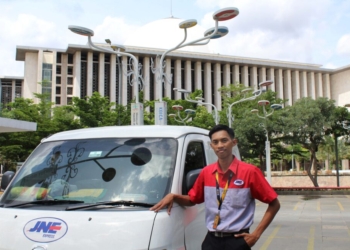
238,207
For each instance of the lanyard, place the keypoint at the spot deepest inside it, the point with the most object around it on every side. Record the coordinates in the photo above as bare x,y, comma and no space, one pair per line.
221,199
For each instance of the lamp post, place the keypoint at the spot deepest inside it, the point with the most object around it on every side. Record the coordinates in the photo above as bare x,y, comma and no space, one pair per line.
244,99
212,33
199,100
177,117
137,107
274,107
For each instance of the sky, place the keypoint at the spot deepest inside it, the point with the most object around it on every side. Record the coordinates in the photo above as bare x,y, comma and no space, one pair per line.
312,31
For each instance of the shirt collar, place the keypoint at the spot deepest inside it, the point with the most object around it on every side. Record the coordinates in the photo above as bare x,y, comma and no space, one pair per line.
233,166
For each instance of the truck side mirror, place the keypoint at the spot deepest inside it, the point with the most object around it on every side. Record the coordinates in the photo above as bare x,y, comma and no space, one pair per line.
191,178
6,179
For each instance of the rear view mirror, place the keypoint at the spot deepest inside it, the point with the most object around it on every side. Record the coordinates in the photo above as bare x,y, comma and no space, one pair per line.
191,178
6,179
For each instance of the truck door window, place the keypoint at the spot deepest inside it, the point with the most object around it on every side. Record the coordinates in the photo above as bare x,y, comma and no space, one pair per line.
195,159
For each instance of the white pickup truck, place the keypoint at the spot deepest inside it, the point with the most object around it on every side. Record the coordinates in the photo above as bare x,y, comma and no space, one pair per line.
92,189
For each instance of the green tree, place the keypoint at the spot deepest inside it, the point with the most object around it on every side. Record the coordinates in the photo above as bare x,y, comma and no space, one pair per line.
16,147
307,121
97,111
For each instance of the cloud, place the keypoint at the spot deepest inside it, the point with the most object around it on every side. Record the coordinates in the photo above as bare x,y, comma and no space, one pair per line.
273,29
116,29
28,26
343,45
24,30
70,9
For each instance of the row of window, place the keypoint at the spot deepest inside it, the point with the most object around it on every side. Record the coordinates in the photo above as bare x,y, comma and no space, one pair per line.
59,58
6,91
59,70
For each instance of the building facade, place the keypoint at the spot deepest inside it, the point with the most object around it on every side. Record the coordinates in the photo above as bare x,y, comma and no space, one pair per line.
80,71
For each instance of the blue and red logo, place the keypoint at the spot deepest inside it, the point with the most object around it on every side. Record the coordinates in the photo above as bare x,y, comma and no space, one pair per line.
46,229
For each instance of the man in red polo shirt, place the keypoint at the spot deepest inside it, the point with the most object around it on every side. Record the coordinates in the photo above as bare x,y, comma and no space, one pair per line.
229,188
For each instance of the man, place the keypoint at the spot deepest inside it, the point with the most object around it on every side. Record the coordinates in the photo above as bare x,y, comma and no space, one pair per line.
229,188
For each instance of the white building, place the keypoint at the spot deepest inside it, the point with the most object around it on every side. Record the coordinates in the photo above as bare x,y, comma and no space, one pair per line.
79,71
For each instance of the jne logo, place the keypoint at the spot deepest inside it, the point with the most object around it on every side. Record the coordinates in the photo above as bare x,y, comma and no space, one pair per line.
45,229
49,227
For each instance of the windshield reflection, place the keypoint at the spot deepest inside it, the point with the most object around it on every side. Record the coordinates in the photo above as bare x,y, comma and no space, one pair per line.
96,170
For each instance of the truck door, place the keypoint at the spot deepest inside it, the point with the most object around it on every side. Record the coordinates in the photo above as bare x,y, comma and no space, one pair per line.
196,150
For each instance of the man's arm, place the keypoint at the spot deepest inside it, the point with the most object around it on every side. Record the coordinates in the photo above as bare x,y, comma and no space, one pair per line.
270,213
169,199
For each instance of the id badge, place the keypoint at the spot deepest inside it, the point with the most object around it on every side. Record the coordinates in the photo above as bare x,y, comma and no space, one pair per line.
216,221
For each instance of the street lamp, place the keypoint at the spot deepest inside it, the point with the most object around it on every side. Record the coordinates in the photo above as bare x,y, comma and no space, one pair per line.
199,100
136,108
244,99
177,117
213,33
274,107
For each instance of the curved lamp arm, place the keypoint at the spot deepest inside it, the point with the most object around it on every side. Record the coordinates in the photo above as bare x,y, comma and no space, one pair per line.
135,61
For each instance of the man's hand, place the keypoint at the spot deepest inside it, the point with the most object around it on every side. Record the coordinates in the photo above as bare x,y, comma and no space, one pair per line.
168,200
251,239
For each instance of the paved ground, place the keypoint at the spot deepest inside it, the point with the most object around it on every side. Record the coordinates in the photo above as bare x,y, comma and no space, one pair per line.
307,222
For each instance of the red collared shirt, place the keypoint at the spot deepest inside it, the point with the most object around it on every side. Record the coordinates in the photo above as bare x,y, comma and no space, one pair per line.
238,207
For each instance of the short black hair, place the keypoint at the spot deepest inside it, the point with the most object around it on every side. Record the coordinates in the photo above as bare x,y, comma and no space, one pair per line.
220,127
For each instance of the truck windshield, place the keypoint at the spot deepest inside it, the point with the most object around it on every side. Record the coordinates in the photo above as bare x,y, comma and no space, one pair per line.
96,170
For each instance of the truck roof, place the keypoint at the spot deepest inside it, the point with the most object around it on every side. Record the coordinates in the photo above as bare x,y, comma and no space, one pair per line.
144,131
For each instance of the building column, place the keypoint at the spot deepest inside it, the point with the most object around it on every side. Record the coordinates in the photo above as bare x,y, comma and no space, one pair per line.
76,74
303,84
89,72
177,78
188,84
279,83
319,87
101,74
207,85
157,76
271,76
311,85
254,77
146,79
13,90
64,75
326,86
287,87
217,85
113,78
135,90
235,74
226,75
168,87
39,73
124,83
262,75
198,75
53,77
295,86
245,75
30,75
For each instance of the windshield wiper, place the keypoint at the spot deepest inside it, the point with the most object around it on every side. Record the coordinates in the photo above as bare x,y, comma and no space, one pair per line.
112,203
44,202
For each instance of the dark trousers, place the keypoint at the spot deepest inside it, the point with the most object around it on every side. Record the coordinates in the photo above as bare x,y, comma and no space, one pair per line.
211,242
